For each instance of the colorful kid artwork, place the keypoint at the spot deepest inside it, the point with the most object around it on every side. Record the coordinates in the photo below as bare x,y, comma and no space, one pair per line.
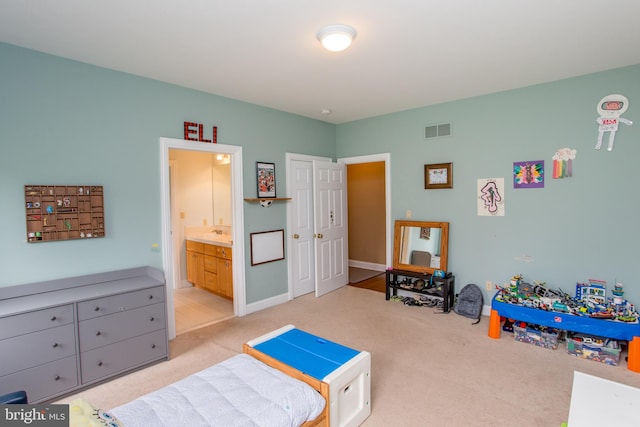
528,174
563,163
610,108
491,197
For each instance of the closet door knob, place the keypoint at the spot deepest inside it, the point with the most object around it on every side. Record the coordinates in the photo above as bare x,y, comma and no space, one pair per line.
296,236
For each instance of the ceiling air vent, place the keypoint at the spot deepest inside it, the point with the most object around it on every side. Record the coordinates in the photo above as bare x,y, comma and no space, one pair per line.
435,131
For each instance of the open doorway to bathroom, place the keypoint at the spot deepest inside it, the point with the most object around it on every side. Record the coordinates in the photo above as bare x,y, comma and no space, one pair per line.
200,186
171,253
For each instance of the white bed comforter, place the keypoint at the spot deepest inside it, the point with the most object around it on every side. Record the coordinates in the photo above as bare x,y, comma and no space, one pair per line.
240,391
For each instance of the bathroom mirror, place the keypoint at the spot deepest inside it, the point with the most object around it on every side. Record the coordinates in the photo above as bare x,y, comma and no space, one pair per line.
420,246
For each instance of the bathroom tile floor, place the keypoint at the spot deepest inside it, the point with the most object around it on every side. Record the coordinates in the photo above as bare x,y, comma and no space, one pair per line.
195,308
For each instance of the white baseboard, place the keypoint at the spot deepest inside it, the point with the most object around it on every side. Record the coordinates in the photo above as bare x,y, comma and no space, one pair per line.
267,303
367,265
486,310
184,284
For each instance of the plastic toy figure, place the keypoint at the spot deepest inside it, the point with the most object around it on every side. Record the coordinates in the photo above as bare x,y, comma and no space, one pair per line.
610,109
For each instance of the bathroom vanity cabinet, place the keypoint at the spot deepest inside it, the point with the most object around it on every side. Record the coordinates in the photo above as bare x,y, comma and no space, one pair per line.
209,267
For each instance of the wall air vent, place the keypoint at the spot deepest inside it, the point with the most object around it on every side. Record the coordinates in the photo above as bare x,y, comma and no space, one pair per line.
435,131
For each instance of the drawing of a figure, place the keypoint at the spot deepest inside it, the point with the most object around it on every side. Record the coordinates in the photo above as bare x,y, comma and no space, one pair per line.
610,108
491,196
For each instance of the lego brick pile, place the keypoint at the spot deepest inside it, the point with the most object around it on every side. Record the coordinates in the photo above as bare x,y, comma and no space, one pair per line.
591,299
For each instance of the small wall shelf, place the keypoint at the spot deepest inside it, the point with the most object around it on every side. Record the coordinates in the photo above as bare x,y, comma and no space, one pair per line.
267,201
267,198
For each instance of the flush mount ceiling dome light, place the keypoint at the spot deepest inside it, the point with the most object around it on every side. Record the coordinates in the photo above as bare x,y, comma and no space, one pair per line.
336,38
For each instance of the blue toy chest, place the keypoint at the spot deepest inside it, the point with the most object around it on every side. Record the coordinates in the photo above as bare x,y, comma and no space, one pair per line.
345,370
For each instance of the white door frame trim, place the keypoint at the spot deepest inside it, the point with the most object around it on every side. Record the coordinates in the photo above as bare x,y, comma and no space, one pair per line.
238,264
386,158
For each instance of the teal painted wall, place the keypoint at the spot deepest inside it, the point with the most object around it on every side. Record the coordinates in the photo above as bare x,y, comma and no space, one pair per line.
64,122
571,230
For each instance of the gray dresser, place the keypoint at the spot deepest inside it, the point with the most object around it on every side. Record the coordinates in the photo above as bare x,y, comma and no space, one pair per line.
59,336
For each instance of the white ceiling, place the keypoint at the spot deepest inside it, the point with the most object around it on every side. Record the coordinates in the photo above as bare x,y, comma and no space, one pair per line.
407,53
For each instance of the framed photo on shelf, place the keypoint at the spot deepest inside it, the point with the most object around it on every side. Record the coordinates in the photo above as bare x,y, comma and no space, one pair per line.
438,175
266,180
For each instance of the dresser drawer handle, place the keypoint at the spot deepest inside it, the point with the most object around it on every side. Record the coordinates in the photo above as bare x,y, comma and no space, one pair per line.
99,363
55,344
96,309
98,333
153,346
150,296
54,318
152,318
57,378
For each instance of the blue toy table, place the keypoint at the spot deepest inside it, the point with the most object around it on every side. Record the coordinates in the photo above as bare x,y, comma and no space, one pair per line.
569,322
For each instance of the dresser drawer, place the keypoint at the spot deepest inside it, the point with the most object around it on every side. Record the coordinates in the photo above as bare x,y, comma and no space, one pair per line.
36,348
124,355
44,380
195,246
210,263
210,250
223,252
35,321
105,330
121,302
211,280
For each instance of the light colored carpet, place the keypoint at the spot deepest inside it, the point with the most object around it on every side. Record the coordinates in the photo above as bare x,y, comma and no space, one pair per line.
357,275
428,369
